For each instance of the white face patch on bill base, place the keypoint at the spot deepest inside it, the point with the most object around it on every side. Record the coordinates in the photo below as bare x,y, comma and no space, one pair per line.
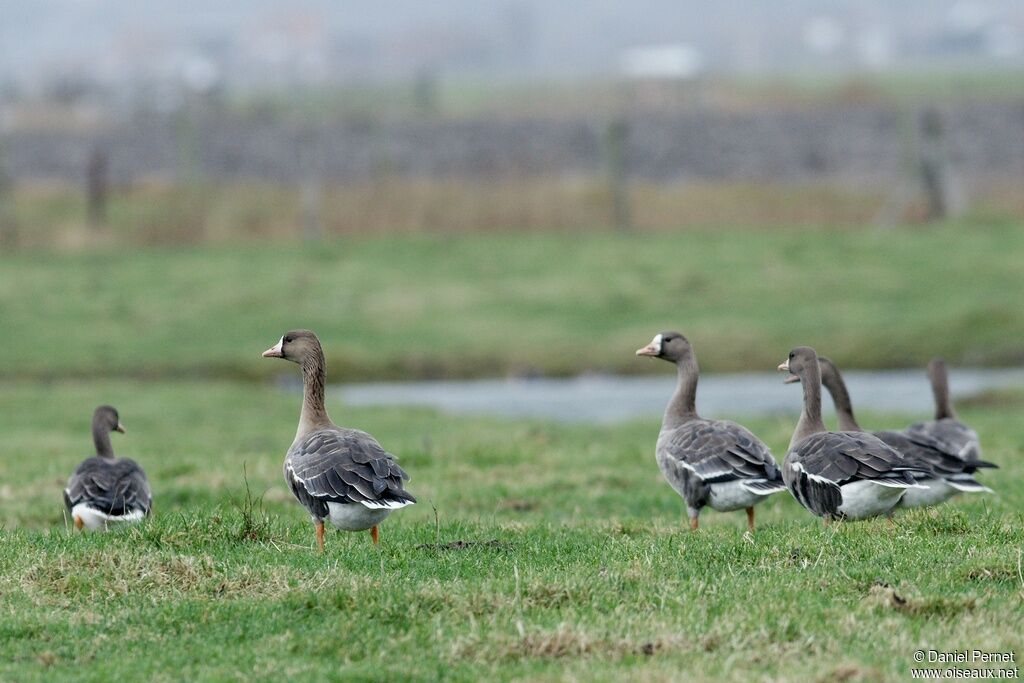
653,349
275,351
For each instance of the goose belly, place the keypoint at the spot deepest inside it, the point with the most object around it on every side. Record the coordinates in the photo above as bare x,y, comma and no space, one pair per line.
355,517
863,499
936,492
732,495
94,519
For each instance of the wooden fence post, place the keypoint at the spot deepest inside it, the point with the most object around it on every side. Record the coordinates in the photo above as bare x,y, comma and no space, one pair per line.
96,187
616,140
943,193
8,227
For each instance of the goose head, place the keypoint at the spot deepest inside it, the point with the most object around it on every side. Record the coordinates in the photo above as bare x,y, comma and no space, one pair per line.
670,346
829,373
296,346
107,419
799,364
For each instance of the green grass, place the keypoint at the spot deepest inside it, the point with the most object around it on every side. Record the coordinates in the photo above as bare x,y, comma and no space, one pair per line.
217,212
581,571
905,88
420,306
472,97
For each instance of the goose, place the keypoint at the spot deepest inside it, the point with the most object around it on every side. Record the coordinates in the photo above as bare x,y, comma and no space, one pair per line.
712,463
948,474
104,488
845,474
340,475
946,433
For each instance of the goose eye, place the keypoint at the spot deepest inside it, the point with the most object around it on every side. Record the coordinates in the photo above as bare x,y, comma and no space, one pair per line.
792,355
287,340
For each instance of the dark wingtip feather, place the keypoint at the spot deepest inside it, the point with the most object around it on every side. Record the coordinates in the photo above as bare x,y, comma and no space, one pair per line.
978,464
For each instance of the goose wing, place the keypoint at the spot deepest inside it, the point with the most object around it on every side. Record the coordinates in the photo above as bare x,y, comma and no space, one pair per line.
927,457
817,467
344,466
719,451
951,437
115,487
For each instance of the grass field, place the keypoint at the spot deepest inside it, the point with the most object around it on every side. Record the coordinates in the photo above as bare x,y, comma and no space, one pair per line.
484,305
473,98
217,211
575,567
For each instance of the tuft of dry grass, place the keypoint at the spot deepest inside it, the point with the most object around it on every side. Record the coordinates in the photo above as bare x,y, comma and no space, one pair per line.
566,641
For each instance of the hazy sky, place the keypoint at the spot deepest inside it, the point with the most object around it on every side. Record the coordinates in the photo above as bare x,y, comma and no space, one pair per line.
540,36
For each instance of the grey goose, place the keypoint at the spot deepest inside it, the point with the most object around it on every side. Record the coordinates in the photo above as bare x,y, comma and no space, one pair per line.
845,474
948,472
339,475
946,433
105,488
713,463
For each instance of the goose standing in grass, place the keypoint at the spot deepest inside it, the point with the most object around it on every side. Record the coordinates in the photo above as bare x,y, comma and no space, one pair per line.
340,475
946,433
715,463
949,473
105,488
839,475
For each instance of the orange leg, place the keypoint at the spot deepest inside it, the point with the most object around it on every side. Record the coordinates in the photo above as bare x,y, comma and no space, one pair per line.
374,534
79,523
827,520
320,535
750,519
693,523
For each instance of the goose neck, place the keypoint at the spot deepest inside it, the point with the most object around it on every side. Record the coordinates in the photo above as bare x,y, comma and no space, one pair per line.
841,398
101,439
682,407
810,417
940,390
314,414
